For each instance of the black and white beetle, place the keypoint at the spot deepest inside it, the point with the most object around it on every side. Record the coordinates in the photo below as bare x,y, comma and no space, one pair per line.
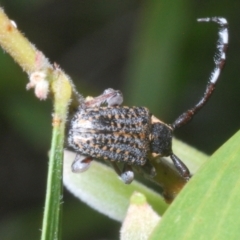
129,134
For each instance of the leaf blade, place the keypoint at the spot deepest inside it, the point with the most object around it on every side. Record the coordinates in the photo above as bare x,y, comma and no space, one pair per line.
203,210
100,188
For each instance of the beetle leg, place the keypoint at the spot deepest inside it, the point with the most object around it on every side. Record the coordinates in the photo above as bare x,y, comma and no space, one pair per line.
126,175
181,167
115,98
148,170
81,163
116,168
110,97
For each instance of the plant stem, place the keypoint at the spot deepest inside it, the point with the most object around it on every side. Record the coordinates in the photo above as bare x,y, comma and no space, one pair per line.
41,72
52,213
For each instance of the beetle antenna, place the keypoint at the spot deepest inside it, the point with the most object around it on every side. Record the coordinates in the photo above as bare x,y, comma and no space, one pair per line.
219,59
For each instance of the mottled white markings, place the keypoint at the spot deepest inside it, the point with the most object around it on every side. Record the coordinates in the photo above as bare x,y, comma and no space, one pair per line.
215,75
224,35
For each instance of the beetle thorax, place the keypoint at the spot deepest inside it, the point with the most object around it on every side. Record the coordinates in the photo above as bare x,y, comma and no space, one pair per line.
160,138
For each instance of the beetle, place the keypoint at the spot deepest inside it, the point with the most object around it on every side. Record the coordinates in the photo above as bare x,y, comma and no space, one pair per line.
103,129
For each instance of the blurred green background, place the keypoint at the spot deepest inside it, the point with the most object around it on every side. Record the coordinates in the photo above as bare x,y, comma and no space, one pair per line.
153,51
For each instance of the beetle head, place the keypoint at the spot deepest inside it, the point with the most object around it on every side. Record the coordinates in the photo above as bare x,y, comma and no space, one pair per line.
161,139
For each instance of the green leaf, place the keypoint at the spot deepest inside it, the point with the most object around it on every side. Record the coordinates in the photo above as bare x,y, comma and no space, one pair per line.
100,188
208,207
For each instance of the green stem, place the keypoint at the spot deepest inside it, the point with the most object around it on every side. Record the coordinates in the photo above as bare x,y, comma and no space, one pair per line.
33,61
52,212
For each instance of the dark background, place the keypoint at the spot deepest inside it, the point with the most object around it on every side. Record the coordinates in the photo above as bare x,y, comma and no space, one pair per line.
153,51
